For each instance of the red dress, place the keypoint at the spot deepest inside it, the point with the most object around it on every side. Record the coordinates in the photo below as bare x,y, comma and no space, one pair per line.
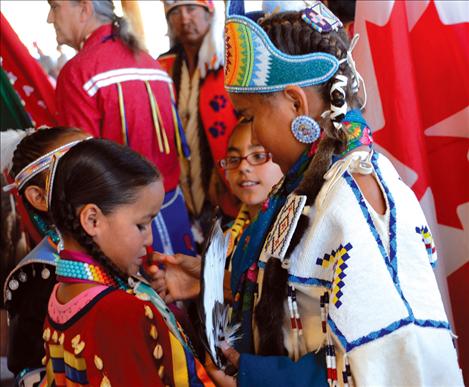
115,338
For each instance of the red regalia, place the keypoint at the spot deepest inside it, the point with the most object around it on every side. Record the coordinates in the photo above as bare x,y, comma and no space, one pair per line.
217,119
115,94
115,338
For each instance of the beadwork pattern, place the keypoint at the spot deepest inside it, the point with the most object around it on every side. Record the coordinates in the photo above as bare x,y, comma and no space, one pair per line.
427,239
86,272
254,65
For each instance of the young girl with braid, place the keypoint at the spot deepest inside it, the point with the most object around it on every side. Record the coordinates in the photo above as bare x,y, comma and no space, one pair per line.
341,257
102,327
28,286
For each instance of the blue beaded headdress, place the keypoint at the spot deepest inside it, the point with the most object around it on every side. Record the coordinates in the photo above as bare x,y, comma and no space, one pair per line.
254,65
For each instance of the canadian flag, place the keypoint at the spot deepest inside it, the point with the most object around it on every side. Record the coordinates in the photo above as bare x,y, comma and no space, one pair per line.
27,77
414,58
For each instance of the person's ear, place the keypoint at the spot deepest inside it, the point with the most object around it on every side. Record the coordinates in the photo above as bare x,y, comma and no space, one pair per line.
298,99
90,219
36,196
87,10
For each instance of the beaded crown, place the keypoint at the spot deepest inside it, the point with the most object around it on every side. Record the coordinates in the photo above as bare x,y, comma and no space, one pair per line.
254,65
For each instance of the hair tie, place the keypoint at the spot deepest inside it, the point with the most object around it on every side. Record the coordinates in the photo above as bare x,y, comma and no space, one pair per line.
336,111
357,77
319,17
116,21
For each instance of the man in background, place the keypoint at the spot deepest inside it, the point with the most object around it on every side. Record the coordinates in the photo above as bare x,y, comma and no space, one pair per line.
113,89
195,63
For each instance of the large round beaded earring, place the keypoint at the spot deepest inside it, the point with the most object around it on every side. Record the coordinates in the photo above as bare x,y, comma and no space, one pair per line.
305,129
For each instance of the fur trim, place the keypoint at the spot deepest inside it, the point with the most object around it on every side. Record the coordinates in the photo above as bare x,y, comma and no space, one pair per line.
191,169
270,311
212,50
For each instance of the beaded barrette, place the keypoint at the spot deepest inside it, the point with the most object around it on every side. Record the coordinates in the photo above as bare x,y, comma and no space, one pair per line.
321,18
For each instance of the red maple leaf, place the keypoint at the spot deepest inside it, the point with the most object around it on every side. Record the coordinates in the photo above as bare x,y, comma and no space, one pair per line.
423,79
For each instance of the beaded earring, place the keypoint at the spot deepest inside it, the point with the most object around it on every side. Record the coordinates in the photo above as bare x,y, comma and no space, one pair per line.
305,129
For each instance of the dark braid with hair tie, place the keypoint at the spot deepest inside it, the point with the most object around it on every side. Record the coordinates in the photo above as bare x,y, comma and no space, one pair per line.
291,35
102,173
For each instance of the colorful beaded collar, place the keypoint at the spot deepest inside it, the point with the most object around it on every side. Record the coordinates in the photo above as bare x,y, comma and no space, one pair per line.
77,267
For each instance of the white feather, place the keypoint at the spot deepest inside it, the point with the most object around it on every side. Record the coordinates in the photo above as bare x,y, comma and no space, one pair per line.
212,50
217,324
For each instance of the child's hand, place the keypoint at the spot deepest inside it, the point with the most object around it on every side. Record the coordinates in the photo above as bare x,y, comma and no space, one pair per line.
231,354
218,376
181,275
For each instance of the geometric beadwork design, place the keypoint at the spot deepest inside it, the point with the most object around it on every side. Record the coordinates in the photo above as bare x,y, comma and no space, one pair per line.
254,65
321,18
326,260
41,164
340,257
391,328
427,239
279,238
391,258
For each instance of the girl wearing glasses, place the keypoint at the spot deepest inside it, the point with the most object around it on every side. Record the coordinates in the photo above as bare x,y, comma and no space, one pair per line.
251,174
340,288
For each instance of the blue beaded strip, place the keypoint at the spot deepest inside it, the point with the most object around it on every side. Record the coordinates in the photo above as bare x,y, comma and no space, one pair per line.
87,273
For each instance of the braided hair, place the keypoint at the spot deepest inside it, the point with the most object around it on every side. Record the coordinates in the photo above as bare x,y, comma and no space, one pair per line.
31,148
291,35
36,145
101,172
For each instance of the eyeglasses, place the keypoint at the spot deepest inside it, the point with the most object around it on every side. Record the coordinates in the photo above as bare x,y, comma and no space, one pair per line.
255,158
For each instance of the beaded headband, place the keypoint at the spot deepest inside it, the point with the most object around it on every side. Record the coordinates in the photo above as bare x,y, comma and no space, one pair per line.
38,165
254,65
55,158
169,5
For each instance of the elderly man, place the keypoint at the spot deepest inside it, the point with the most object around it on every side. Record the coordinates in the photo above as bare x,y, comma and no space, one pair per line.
115,90
195,62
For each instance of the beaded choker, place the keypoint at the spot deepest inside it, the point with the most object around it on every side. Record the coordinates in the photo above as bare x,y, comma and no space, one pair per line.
77,267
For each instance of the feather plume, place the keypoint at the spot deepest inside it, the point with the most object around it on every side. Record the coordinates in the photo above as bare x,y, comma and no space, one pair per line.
215,316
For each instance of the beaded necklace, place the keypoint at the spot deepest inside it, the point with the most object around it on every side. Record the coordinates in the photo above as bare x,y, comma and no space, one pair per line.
77,267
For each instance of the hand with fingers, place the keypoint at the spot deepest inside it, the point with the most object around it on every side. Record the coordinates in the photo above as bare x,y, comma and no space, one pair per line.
176,276
219,377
